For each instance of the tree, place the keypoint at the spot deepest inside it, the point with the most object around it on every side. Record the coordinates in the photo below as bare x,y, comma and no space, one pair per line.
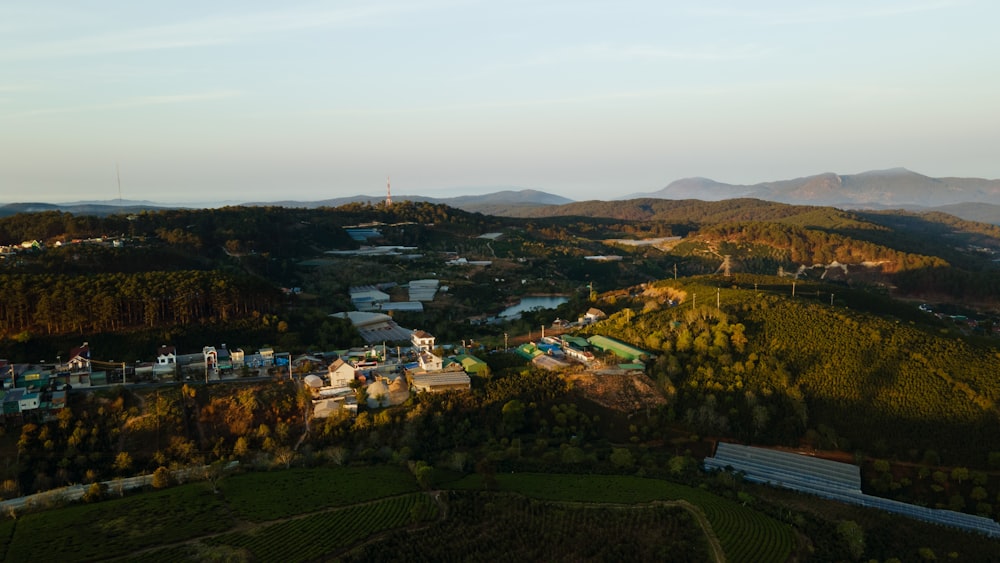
513,415
622,458
241,447
161,478
853,537
95,492
123,462
424,474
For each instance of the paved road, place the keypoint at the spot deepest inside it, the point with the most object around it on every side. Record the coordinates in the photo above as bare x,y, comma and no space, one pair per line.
75,492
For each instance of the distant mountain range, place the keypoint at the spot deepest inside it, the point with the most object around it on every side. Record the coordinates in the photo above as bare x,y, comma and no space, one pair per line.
974,199
497,203
893,188
474,203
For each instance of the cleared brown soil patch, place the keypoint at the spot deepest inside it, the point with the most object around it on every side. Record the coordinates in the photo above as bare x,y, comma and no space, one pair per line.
623,391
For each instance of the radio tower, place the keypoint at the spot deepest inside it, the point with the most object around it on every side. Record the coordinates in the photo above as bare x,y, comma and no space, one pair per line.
388,193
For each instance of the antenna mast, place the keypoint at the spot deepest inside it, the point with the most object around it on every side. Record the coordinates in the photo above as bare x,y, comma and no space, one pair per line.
118,175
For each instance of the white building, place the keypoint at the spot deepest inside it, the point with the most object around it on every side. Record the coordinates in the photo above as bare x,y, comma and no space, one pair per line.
340,373
422,341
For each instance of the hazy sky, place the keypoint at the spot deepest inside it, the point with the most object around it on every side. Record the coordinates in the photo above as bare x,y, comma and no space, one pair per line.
250,101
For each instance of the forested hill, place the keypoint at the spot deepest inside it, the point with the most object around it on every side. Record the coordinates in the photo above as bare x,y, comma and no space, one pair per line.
279,230
767,367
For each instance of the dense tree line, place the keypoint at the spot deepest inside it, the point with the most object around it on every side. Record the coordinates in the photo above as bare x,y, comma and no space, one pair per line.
62,304
117,433
808,246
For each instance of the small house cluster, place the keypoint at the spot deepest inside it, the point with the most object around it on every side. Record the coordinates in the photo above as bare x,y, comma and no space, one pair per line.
556,352
390,382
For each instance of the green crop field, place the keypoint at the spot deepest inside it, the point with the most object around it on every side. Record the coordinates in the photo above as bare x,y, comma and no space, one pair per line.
498,526
271,495
316,535
117,527
745,534
305,514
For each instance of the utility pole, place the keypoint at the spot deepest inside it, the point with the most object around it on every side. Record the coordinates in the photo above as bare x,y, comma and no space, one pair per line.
718,298
675,271
505,346
694,300
793,288
831,300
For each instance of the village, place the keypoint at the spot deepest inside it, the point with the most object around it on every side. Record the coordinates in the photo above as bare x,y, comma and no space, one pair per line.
376,375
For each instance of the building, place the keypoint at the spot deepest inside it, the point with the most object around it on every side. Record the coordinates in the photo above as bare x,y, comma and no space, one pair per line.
211,358
29,401
423,290
422,341
441,381
375,327
340,373
79,358
225,359
618,348
166,356
472,365
367,298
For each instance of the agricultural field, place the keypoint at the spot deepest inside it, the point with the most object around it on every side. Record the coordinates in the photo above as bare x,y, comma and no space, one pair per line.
496,526
310,537
745,534
267,496
116,527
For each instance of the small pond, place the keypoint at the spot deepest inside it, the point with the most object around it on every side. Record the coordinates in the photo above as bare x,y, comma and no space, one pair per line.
531,303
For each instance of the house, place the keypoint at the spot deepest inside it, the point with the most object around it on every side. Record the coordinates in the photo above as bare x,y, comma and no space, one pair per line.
266,356
211,357
29,401
225,359
166,356
422,341
79,358
430,361
593,315
340,373
238,357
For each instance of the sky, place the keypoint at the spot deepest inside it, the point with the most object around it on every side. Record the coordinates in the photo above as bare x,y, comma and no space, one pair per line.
230,101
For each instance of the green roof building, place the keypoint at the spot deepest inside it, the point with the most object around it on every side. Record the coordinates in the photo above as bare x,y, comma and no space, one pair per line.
619,348
472,365
528,351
